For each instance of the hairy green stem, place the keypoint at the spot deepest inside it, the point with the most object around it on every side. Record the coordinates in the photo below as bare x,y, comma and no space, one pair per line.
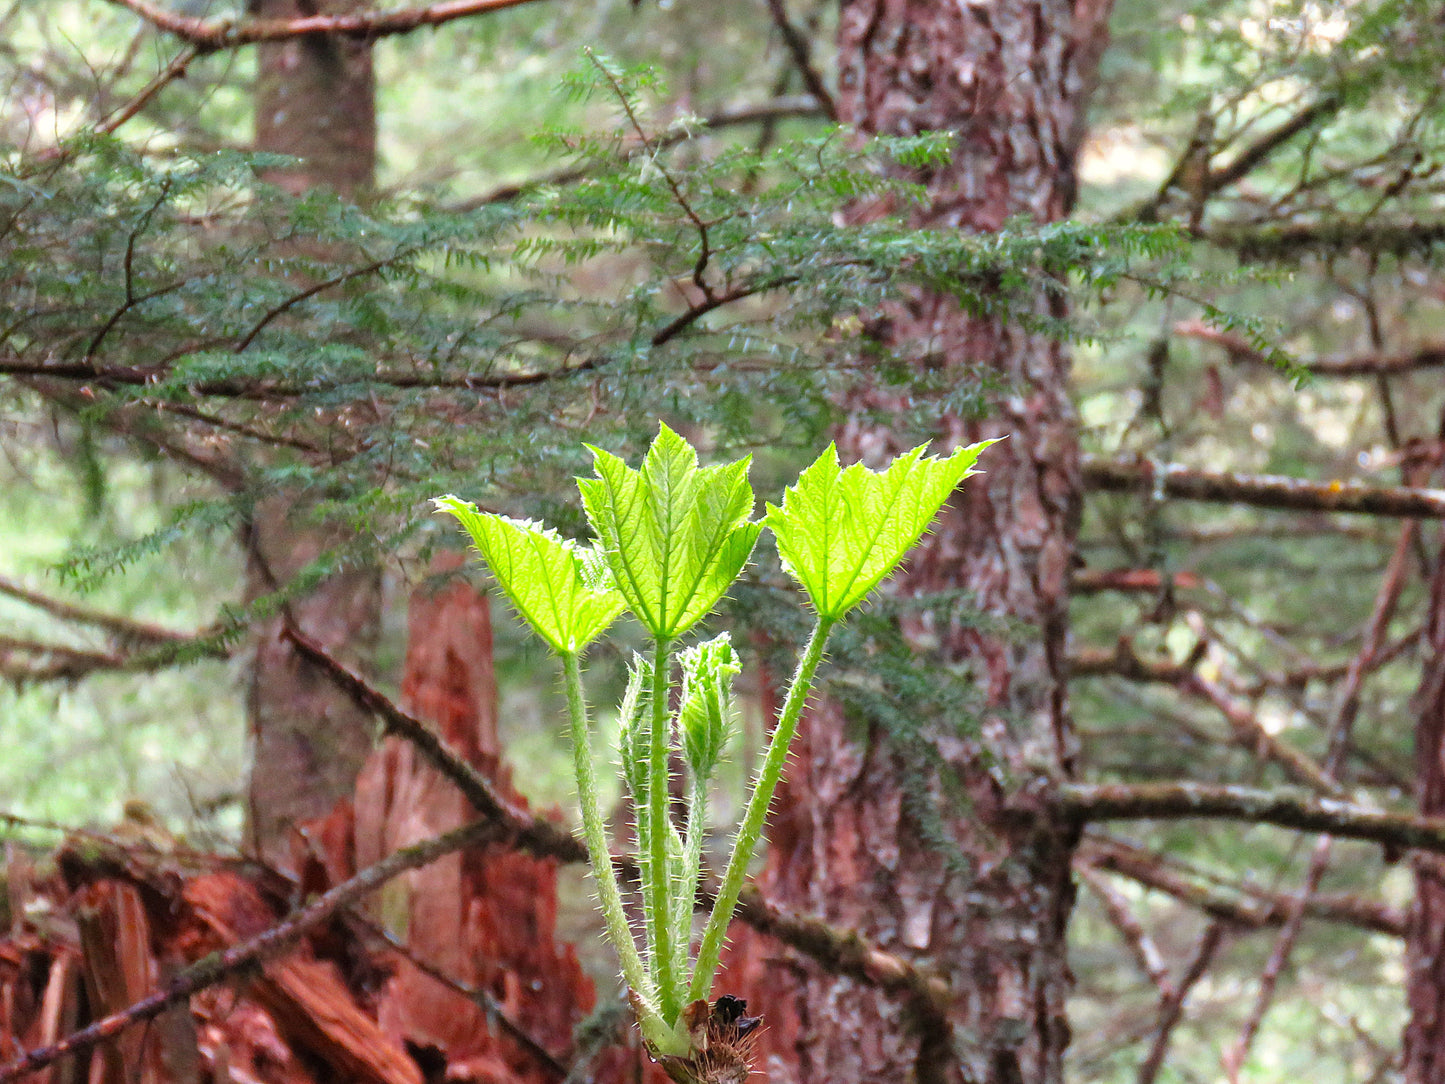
595,834
659,909
686,890
755,817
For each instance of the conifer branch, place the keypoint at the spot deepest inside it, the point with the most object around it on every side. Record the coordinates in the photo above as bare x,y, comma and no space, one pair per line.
797,106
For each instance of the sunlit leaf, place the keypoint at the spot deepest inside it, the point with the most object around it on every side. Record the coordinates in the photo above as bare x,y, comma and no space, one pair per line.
559,588
840,530
676,535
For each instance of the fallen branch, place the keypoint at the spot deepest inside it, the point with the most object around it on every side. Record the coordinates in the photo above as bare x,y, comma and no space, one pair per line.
520,827
1095,802
1262,490
219,966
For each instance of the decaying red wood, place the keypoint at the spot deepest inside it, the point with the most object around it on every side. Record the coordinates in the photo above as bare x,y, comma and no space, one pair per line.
310,1004
120,970
485,918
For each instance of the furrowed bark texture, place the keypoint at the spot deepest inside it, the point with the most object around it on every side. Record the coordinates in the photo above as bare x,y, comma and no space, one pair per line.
1425,927
315,100
848,836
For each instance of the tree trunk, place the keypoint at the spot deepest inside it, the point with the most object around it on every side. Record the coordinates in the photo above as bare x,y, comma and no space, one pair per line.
1425,929
315,100
848,842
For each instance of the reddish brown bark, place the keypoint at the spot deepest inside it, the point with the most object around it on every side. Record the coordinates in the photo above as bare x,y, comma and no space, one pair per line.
1425,927
1010,79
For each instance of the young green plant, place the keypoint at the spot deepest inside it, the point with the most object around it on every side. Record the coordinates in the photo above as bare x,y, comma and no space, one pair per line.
671,537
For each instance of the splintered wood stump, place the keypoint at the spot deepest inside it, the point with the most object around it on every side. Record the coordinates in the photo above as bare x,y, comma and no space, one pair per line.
119,969
312,1007
484,918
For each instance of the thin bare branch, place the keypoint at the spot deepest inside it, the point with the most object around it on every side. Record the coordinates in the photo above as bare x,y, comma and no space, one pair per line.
1241,904
125,628
1249,733
1094,803
212,35
1123,661
1171,1009
801,50
1263,490
1238,1054
1090,581
1426,356
1141,946
176,69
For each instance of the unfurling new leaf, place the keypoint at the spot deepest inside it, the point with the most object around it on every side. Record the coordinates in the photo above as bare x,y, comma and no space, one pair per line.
706,714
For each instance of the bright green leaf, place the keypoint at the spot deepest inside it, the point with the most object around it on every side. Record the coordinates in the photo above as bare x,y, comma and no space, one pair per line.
840,531
675,535
560,589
